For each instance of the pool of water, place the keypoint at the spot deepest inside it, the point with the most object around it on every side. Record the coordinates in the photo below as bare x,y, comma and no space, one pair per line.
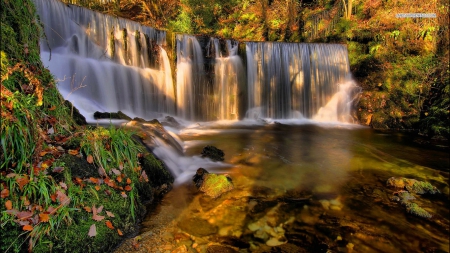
304,188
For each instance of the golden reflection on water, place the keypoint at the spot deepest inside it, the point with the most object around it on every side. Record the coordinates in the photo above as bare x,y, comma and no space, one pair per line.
305,187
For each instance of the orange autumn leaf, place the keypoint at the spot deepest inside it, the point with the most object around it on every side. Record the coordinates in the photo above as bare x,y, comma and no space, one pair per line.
53,197
43,153
119,179
27,228
109,224
97,187
8,205
119,232
22,181
90,159
94,180
52,108
88,209
73,152
128,188
128,181
5,193
43,217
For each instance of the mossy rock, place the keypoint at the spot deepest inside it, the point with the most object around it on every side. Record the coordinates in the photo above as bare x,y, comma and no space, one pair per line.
111,115
215,185
76,115
159,178
78,167
213,153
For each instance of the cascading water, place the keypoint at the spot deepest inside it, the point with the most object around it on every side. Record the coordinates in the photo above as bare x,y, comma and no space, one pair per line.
292,80
105,63
229,72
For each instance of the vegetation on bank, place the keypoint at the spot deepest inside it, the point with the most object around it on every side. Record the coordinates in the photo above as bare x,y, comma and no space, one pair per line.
64,187
402,64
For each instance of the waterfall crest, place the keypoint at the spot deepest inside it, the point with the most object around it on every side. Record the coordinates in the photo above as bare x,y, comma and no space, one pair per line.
105,63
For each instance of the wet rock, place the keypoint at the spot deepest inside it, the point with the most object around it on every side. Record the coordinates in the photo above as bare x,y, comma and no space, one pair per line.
76,115
220,249
197,227
213,153
275,242
212,185
111,115
181,249
412,185
171,122
234,242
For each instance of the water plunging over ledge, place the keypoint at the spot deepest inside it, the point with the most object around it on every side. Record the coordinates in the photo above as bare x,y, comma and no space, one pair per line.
300,185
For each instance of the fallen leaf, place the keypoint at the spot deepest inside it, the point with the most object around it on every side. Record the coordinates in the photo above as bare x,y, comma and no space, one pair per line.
90,159
88,209
8,205
119,232
5,193
52,108
92,231
98,217
121,166
109,214
97,187
115,171
63,185
93,180
107,192
102,172
10,175
73,152
25,200
123,195
43,153
109,224
128,180
22,181
24,222
43,217
53,197
99,210
58,169
128,188
62,198
143,176
27,228
119,179
24,215
51,209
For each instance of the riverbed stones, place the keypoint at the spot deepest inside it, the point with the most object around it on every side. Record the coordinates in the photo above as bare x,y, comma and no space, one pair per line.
197,226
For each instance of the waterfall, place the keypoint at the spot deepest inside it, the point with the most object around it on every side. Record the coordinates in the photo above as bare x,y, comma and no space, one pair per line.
228,79
104,63
292,80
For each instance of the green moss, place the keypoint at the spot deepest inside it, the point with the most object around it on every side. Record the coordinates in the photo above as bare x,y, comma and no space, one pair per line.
421,187
415,209
215,185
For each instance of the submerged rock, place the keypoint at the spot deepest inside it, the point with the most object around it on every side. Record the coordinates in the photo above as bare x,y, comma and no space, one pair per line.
213,153
212,185
412,185
197,227
406,197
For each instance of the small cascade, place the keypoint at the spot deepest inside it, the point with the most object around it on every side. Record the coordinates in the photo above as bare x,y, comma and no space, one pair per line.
191,87
229,72
289,80
105,63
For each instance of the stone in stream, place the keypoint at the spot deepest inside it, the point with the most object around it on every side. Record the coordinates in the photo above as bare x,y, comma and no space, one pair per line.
212,185
213,153
197,226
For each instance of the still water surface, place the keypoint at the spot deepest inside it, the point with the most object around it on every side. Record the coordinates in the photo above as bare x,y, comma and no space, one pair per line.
307,188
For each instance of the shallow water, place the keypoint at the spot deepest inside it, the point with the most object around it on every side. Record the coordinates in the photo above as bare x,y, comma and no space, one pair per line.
304,188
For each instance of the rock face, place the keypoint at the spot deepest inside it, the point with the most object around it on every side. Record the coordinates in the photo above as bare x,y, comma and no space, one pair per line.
212,185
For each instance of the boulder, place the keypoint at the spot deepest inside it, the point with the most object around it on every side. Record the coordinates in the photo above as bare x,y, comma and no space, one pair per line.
213,153
212,185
